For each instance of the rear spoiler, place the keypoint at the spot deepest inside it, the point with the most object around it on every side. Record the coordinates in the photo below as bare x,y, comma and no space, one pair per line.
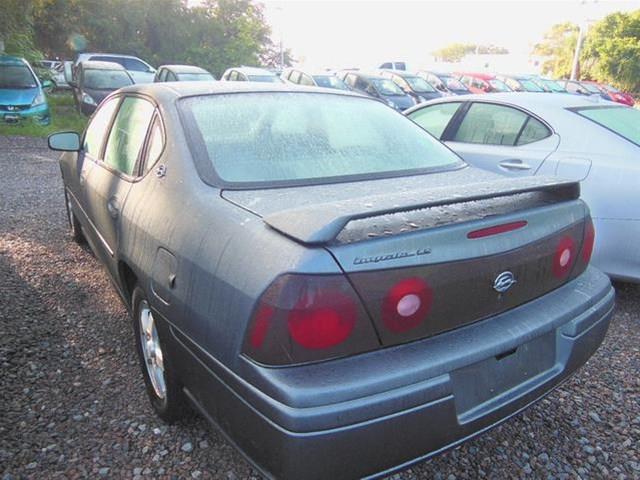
322,223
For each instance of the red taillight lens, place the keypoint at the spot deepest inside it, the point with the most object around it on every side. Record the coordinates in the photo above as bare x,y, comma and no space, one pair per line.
323,321
564,257
407,304
588,242
497,229
302,318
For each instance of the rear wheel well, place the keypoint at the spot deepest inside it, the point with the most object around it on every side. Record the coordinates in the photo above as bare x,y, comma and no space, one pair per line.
128,279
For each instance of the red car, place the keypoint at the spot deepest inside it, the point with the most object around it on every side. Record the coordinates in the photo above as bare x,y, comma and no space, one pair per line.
482,83
615,94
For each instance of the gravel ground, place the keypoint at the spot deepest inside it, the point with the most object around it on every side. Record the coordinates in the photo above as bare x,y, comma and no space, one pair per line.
72,400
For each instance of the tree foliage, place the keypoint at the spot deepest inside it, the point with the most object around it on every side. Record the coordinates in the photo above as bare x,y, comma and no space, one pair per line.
215,34
455,52
558,46
610,54
613,45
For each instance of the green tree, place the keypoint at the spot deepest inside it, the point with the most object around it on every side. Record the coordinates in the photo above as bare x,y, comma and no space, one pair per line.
613,44
558,46
455,52
16,29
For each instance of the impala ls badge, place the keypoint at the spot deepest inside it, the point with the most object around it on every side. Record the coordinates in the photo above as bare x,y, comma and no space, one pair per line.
504,282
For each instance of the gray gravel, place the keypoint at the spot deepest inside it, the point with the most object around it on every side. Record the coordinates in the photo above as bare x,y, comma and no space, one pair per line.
72,400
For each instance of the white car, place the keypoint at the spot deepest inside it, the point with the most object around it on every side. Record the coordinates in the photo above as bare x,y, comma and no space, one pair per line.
140,71
577,137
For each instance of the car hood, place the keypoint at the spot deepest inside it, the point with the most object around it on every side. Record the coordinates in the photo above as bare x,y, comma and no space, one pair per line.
18,96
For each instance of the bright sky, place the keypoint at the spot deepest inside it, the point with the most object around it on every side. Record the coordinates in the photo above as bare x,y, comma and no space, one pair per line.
360,33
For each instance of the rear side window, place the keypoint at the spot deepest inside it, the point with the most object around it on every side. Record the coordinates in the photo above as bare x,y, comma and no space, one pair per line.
294,77
533,131
135,65
491,124
155,145
623,121
434,119
127,134
267,138
97,129
306,80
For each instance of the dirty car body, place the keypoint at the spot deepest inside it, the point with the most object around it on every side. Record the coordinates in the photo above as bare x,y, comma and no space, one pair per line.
308,275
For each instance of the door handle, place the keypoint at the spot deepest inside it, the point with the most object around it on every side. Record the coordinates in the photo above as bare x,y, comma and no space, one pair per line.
514,164
113,208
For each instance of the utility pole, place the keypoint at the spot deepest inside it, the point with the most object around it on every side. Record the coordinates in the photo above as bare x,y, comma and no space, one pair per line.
576,56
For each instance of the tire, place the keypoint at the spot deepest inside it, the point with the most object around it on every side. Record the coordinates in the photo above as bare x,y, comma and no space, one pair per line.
160,377
74,225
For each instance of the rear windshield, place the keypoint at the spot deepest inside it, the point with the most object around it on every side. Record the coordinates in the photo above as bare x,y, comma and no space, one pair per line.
264,78
16,76
625,121
105,79
195,77
303,138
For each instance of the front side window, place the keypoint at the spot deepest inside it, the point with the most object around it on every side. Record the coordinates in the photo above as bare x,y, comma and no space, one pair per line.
302,138
491,124
16,76
97,129
623,121
265,78
195,77
127,134
105,79
306,80
435,118
498,85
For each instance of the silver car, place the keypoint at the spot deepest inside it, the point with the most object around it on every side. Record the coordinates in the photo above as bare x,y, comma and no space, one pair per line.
576,137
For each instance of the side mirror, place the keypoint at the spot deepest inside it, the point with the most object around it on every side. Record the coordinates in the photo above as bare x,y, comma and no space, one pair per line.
64,141
47,85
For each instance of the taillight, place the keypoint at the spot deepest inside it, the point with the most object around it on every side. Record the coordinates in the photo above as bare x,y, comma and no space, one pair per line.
407,304
302,318
588,242
564,257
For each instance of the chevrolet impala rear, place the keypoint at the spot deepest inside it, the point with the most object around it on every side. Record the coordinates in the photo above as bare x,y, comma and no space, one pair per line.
346,297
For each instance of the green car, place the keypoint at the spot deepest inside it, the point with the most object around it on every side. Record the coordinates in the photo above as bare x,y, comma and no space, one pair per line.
22,95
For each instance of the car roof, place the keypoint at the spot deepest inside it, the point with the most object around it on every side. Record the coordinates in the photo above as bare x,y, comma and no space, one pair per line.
105,54
532,101
175,90
400,73
183,68
11,60
99,65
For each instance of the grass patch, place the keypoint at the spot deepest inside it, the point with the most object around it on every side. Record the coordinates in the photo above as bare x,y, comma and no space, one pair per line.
63,117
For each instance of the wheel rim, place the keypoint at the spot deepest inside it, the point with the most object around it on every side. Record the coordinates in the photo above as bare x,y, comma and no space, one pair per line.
151,350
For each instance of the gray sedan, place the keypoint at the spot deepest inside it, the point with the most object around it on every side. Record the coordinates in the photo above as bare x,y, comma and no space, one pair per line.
581,138
294,261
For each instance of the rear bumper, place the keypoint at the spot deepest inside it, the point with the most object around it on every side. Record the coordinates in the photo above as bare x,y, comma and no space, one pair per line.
375,413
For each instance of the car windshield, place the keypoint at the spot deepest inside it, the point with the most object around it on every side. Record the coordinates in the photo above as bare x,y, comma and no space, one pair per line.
330,81
453,83
195,77
624,121
419,85
264,78
530,86
590,88
303,138
106,79
499,85
552,85
16,76
384,86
